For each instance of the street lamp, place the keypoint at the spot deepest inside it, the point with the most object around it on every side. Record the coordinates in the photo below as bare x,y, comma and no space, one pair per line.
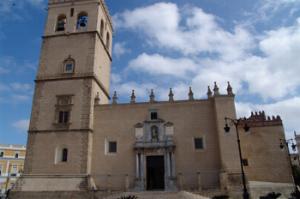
236,123
285,144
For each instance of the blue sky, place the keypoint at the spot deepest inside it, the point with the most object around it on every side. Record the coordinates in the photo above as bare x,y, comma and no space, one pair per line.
254,44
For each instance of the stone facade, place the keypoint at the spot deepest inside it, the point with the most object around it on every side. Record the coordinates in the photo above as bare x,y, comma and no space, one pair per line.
81,144
11,165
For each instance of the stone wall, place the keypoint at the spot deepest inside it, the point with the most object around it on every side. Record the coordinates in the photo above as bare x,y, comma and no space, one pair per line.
267,162
190,118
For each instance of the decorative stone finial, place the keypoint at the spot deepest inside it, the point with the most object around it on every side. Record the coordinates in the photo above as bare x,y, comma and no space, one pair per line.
209,92
171,96
115,98
132,98
152,96
191,94
229,90
97,99
216,90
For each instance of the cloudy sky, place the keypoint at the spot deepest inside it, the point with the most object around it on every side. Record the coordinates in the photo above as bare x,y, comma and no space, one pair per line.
254,44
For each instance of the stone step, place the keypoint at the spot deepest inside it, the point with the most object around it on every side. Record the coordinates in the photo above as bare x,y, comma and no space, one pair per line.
158,195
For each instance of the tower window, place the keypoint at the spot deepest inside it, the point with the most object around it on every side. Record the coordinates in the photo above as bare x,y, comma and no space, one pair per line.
61,154
16,155
72,12
63,117
198,143
64,157
107,40
112,147
63,111
69,65
64,100
61,22
1,154
82,20
153,116
101,28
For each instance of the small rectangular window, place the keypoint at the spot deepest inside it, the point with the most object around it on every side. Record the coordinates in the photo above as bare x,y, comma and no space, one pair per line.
14,170
64,155
63,117
154,116
198,142
72,12
69,68
1,154
112,147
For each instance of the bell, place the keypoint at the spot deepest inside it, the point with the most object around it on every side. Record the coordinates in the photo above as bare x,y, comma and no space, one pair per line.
294,146
82,23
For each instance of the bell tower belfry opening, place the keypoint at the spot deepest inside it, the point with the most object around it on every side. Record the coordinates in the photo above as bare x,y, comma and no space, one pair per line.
74,70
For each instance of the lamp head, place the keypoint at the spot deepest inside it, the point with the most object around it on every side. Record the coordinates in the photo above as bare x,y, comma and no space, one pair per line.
281,145
246,127
226,128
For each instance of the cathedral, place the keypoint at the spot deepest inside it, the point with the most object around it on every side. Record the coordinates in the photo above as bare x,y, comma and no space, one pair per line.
82,143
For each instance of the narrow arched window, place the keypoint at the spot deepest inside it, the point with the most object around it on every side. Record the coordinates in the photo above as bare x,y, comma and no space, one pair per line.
64,155
107,40
69,65
82,20
101,28
61,23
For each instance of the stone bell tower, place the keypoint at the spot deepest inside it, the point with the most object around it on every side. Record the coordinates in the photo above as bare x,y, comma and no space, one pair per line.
73,75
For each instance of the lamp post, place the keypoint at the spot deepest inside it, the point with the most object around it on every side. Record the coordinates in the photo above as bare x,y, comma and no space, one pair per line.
284,143
236,123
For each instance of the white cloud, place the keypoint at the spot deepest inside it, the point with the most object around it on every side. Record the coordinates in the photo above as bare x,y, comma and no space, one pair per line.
21,87
142,91
189,32
15,92
16,98
3,87
115,78
16,9
3,70
272,73
37,2
120,49
21,125
266,10
157,64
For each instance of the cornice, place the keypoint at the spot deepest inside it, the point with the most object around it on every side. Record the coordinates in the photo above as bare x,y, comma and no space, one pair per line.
46,78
